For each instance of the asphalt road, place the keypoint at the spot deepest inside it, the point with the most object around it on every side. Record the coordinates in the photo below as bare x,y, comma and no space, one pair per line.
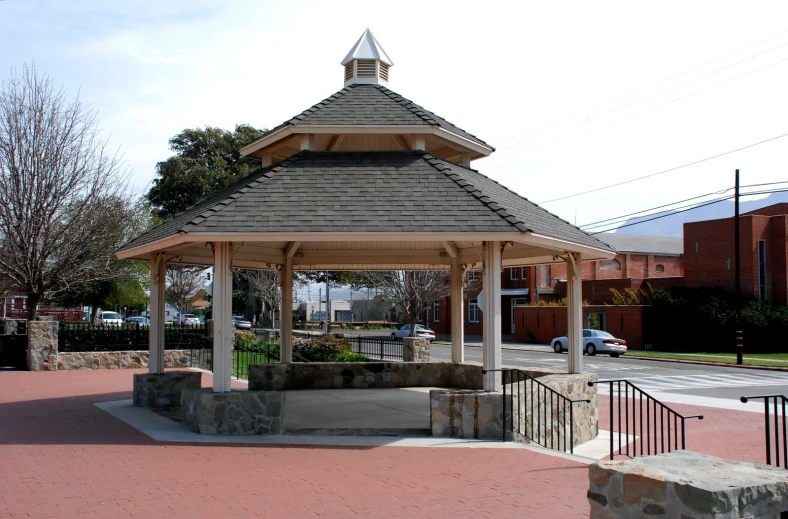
651,376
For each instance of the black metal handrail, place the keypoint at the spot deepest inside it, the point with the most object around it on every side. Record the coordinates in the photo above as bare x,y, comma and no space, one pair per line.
777,419
536,426
652,431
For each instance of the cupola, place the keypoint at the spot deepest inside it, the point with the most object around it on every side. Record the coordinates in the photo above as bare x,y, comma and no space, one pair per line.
367,63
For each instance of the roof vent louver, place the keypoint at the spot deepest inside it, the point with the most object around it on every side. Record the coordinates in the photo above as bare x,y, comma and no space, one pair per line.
367,62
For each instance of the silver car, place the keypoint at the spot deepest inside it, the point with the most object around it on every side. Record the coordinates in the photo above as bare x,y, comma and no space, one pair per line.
422,332
594,341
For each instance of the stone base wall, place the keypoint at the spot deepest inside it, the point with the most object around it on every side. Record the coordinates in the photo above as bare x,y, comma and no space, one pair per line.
415,349
339,375
478,414
42,345
686,484
234,413
463,413
9,326
163,390
124,360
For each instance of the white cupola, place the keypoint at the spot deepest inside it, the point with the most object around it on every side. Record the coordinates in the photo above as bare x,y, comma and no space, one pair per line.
367,63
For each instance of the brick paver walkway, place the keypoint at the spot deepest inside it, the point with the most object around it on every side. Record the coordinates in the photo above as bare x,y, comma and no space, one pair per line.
60,456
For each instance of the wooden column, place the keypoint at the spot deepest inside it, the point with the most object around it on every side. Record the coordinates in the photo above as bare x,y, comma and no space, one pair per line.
457,329
286,329
158,281
491,308
223,327
574,308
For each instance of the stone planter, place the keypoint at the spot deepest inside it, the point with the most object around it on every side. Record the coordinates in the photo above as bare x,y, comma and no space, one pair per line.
234,412
163,390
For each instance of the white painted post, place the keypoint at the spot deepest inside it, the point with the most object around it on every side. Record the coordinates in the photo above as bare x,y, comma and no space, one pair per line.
457,329
420,143
574,308
286,319
307,142
158,280
223,328
268,158
491,308
466,159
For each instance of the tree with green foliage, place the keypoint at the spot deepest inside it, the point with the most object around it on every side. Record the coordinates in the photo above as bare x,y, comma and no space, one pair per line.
206,161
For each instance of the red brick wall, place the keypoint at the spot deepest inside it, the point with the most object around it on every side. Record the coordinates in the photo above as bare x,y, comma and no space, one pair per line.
547,322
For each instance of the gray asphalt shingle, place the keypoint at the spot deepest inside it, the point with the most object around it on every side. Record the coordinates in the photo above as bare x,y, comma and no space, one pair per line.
382,192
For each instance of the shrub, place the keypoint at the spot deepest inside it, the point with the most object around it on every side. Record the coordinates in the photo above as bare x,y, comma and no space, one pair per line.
320,349
350,356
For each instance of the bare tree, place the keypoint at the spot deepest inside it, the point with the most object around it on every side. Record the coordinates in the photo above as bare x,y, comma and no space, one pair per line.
63,204
267,287
182,284
414,290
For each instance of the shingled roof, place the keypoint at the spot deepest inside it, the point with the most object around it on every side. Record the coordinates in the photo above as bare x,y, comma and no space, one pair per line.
367,105
372,192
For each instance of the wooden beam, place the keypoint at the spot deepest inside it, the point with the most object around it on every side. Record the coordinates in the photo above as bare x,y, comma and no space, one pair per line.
403,142
332,143
452,249
291,249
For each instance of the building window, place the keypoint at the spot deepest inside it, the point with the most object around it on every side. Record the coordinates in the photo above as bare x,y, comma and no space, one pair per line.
435,314
660,268
473,275
513,271
610,265
473,310
761,270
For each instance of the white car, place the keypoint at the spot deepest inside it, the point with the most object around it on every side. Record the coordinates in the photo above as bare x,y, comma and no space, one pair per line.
422,332
136,321
108,319
241,323
594,341
189,320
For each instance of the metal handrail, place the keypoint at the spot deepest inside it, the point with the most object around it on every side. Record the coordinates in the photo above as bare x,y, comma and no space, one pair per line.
783,400
655,414
561,403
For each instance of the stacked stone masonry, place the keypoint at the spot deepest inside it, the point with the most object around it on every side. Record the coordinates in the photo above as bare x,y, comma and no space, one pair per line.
477,414
126,360
42,345
687,485
415,349
163,390
234,412
339,375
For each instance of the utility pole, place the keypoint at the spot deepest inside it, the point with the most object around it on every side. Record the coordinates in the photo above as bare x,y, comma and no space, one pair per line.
328,305
739,335
320,303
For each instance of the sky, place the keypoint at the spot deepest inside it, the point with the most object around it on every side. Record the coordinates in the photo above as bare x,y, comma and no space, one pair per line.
573,95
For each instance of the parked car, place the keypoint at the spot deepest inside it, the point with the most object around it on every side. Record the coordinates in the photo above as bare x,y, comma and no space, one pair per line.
422,332
108,319
594,341
241,323
136,321
189,320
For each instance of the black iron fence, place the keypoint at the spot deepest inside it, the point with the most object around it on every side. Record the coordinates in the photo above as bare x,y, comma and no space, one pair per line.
248,352
81,336
777,402
13,351
382,348
536,412
642,424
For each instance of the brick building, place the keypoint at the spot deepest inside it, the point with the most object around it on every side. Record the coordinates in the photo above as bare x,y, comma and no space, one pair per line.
709,254
655,260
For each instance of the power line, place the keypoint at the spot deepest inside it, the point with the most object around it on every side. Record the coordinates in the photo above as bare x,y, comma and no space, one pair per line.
665,170
502,157
613,220
691,209
650,86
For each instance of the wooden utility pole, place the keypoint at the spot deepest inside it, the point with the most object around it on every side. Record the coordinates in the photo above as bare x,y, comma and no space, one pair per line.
739,335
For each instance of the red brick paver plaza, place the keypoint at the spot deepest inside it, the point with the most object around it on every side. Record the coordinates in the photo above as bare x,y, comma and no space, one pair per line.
61,456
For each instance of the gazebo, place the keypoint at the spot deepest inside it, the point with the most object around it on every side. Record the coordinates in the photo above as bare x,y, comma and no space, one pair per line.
365,180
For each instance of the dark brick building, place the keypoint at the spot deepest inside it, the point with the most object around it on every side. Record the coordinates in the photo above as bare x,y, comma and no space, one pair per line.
709,254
